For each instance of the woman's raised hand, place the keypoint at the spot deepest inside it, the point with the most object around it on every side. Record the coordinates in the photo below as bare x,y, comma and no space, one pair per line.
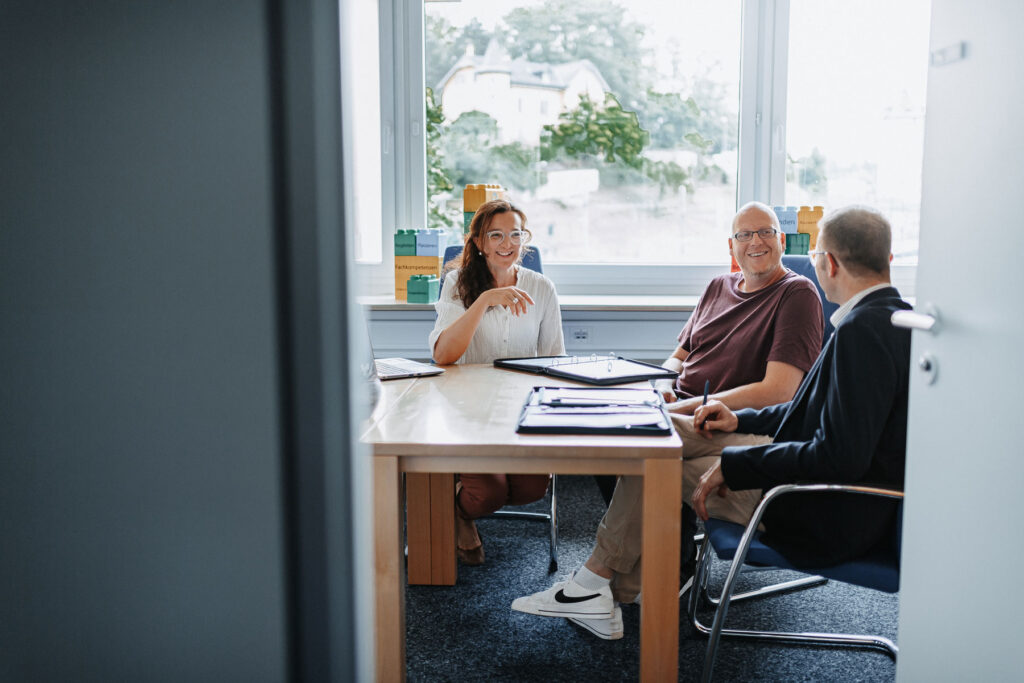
512,298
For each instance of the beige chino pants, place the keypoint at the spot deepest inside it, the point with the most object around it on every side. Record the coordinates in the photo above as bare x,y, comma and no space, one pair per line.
620,533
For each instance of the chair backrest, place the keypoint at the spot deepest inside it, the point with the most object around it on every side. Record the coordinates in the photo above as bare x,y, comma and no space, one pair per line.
531,258
803,265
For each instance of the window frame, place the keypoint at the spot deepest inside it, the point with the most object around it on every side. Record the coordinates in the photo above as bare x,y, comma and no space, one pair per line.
761,152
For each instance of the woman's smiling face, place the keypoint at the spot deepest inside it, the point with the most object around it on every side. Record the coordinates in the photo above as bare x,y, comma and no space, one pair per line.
500,252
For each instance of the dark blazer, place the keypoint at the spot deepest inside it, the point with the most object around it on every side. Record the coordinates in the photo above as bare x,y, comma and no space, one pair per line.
846,424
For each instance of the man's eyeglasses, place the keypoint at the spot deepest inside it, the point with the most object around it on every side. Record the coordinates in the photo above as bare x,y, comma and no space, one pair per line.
747,235
515,237
816,252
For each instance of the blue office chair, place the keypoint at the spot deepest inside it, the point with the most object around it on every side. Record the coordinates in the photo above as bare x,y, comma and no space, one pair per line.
803,265
879,569
450,254
531,260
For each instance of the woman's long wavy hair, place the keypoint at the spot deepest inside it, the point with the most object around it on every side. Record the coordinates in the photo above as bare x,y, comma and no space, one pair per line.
474,276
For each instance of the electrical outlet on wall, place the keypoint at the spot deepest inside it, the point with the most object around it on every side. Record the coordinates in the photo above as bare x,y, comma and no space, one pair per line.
580,334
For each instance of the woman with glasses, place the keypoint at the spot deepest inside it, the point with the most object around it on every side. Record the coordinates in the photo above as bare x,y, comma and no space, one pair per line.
491,307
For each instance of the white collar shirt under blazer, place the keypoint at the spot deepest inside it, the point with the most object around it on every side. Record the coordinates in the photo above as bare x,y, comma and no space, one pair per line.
500,334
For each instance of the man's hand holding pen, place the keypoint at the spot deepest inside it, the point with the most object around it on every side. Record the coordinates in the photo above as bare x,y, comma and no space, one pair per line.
714,417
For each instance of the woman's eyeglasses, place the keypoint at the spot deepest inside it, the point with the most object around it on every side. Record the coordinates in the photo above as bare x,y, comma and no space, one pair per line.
515,237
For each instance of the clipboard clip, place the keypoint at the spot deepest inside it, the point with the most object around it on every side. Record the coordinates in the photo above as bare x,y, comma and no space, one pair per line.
588,402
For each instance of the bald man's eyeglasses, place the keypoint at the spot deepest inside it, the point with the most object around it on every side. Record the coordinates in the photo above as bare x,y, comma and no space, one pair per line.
747,235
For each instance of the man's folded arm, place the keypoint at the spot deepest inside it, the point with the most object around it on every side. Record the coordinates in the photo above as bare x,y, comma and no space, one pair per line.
779,384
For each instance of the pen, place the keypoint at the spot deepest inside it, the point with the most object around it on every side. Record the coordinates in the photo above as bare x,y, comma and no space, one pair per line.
707,385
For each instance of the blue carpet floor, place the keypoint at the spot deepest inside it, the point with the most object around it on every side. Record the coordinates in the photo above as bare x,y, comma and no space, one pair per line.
468,633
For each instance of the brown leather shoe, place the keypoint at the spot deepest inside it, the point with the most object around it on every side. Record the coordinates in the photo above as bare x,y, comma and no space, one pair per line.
469,547
473,557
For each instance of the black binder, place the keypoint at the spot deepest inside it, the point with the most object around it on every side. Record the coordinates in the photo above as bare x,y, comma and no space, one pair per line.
601,370
592,410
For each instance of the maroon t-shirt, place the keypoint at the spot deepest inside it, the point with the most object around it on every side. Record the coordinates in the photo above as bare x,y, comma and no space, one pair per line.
732,335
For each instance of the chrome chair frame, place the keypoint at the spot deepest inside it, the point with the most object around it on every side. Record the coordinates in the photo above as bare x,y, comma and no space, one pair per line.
551,517
717,629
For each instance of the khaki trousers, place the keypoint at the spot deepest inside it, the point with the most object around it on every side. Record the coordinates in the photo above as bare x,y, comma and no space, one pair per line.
620,533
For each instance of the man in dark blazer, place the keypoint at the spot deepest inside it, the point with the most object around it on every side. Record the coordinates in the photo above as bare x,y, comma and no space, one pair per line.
847,422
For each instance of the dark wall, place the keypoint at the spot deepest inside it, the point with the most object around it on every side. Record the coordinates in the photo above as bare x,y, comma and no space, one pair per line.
141,501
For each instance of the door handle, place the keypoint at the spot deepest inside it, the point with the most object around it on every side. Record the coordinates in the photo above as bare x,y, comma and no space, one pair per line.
928,321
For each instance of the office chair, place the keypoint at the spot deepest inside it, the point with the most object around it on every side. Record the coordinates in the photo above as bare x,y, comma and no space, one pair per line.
531,260
551,517
879,569
803,265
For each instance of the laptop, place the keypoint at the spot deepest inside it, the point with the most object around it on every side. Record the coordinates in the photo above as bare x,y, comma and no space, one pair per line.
398,368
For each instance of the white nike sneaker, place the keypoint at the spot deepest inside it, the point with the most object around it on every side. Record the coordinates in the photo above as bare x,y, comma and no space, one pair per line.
609,629
568,599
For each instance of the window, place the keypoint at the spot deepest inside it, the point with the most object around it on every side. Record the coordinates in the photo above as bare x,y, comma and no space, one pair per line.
656,85
361,107
855,113
709,105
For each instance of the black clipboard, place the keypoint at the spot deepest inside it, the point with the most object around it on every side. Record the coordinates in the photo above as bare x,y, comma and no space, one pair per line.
594,410
600,370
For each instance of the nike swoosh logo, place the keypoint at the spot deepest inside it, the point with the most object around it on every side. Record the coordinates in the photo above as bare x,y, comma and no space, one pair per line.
561,597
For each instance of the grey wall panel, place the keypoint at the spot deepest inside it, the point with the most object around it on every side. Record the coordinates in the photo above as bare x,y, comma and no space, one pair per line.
139,479
641,335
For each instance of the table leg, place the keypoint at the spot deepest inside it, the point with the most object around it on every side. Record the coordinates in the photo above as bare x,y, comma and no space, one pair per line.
389,628
430,528
443,563
417,527
659,613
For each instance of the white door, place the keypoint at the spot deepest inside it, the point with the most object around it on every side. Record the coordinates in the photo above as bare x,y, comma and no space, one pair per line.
963,537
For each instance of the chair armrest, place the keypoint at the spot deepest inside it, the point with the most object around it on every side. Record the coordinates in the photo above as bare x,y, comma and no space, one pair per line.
783,489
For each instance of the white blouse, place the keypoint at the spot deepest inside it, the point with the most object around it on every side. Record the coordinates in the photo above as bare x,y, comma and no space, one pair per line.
500,334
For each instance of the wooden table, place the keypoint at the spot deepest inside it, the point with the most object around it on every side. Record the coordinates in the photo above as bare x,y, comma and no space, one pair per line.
464,421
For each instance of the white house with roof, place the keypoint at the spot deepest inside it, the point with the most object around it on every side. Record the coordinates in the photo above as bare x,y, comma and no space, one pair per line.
522,96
